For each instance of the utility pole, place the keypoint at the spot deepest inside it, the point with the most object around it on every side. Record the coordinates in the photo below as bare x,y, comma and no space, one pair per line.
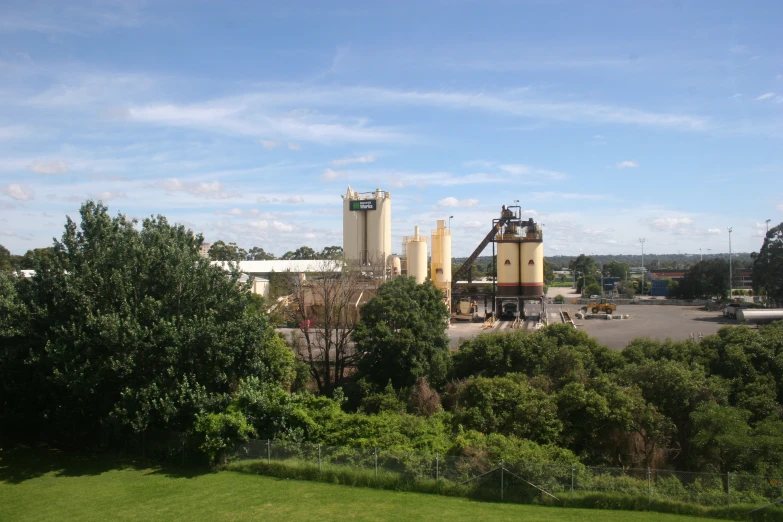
701,258
767,222
642,240
731,290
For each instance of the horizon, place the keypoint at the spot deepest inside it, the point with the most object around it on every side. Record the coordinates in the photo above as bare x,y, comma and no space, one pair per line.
608,123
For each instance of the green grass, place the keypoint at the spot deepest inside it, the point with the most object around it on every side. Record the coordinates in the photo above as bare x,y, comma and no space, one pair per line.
50,486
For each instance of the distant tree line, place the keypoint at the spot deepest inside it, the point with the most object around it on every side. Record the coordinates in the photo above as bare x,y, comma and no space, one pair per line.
221,251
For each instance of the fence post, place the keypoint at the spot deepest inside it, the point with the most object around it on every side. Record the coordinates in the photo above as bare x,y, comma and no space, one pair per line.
268,452
376,464
437,472
502,465
649,488
728,489
572,483
319,458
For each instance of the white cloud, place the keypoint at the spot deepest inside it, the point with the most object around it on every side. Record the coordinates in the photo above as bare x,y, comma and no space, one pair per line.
331,175
737,95
473,224
525,170
48,167
780,207
566,195
107,195
263,200
739,49
598,137
484,164
212,190
454,202
19,192
269,144
766,96
627,164
294,200
282,227
369,158
294,146
259,225
670,224
714,231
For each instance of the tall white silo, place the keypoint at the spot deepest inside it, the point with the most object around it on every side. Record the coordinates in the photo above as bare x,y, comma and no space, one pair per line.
367,227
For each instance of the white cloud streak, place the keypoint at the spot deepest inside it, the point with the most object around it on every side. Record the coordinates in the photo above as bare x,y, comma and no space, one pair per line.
369,158
48,167
211,190
19,192
627,165
766,96
454,202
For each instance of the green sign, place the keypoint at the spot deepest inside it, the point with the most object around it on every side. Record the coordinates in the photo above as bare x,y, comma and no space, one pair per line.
362,204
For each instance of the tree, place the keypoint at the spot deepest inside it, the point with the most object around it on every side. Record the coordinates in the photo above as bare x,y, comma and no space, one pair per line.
303,252
32,258
324,310
132,333
585,265
331,252
8,261
549,273
616,269
258,254
593,289
768,266
402,335
705,279
220,251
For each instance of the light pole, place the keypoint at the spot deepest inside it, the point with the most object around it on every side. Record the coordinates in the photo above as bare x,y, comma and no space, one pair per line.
701,258
642,240
450,222
731,290
767,222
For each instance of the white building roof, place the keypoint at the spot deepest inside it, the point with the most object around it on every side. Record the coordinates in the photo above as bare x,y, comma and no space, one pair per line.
282,265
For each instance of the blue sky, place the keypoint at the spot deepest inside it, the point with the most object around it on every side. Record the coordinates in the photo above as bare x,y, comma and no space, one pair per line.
608,121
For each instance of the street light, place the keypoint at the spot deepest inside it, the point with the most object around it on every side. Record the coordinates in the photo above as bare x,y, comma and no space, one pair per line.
450,222
642,240
767,222
730,288
701,258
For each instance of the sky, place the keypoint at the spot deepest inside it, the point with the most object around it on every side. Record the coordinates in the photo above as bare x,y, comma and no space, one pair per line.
246,121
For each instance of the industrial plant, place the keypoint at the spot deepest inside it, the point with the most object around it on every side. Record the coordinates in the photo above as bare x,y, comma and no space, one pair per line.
517,249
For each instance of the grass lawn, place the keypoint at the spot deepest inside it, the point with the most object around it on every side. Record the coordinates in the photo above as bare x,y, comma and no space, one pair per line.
48,486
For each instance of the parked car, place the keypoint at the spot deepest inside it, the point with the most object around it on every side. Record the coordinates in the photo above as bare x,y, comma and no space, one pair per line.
730,310
594,296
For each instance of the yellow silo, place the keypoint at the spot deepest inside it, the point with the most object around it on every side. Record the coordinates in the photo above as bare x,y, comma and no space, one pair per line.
367,227
416,252
441,259
508,268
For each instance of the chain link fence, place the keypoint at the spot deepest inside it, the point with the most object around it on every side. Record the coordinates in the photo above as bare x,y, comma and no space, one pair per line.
724,495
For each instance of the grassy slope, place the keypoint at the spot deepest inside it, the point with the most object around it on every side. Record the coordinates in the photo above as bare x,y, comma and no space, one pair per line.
51,487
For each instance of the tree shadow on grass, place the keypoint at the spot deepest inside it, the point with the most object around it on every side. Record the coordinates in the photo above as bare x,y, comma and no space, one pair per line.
21,463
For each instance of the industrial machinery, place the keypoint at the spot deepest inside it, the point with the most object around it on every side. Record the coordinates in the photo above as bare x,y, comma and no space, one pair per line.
602,306
519,261
466,309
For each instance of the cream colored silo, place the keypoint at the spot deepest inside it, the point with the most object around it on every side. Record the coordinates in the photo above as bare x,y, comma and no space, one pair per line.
367,227
532,262
416,251
441,258
508,268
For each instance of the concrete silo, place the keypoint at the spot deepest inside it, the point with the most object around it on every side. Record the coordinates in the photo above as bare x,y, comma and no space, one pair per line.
441,259
367,228
416,253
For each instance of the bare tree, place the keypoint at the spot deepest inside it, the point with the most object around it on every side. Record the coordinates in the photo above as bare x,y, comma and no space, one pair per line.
326,309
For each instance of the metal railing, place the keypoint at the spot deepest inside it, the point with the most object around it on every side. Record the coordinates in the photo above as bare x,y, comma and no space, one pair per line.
518,481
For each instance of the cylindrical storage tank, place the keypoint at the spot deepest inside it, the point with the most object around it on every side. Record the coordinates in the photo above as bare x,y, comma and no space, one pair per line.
441,259
379,230
354,230
417,257
759,316
532,267
508,269
396,266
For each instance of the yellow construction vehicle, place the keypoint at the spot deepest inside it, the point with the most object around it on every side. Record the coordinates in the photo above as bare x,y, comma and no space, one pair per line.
602,306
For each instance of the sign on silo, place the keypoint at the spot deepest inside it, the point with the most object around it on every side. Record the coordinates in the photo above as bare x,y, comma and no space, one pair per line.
362,204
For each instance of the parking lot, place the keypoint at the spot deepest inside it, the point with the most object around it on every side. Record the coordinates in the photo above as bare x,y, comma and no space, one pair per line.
656,321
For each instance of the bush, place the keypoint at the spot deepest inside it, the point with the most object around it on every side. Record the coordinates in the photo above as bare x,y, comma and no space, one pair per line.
221,433
559,299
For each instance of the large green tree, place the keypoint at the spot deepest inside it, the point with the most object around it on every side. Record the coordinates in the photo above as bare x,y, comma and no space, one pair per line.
132,333
586,268
705,279
402,335
220,251
768,266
